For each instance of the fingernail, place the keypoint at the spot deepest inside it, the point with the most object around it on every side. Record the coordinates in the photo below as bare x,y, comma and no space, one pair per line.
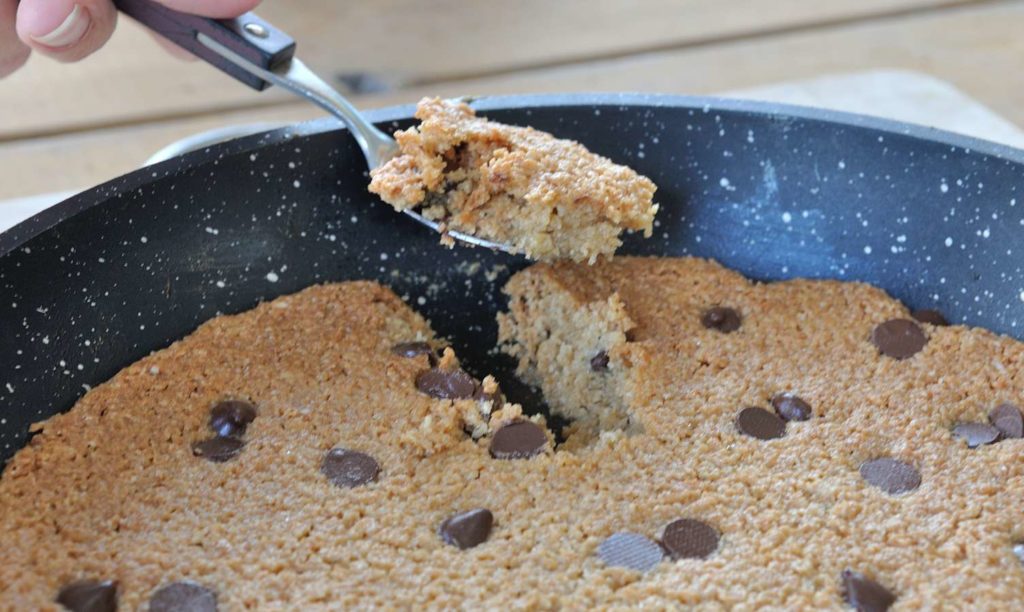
69,32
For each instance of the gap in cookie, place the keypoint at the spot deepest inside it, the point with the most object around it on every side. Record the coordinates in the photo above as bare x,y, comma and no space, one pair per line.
573,353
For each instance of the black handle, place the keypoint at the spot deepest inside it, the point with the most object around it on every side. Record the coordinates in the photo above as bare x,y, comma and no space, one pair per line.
249,36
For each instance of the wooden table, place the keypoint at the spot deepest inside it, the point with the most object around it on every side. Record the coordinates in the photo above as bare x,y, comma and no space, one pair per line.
69,127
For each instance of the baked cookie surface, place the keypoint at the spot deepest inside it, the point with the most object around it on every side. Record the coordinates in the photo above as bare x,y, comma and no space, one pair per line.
546,197
735,445
814,425
283,458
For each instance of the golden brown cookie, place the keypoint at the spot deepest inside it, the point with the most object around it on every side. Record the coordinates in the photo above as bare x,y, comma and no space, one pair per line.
546,197
354,466
833,450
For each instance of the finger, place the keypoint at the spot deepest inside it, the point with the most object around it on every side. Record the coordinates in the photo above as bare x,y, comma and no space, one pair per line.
13,52
66,30
221,9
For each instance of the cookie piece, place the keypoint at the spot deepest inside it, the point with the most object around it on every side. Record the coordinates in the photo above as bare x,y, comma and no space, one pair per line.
545,197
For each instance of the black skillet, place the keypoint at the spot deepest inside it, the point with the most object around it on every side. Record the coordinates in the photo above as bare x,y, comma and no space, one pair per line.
128,267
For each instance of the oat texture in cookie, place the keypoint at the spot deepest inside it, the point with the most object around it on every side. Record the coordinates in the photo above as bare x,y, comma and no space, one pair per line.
546,197
797,445
804,454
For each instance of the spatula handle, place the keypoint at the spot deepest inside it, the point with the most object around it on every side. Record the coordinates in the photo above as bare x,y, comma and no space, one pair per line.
249,36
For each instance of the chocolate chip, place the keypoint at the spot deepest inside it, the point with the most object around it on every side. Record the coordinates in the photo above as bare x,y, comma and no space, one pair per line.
759,423
183,597
89,596
467,529
791,408
519,440
630,550
446,384
930,316
229,418
689,539
723,319
348,468
864,594
890,475
976,434
414,349
899,338
217,448
599,362
1007,419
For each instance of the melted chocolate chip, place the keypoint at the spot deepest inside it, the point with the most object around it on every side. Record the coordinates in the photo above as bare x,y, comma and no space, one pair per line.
467,529
630,550
599,362
229,418
519,440
890,475
183,597
864,594
976,434
759,423
446,384
930,316
689,539
348,468
791,408
723,319
414,349
217,448
1007,419
89,596
899,338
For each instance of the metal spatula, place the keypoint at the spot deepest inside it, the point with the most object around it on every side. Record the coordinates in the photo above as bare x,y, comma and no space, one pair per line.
259,55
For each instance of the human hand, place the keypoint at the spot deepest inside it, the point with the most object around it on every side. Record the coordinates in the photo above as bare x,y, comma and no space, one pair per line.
68,30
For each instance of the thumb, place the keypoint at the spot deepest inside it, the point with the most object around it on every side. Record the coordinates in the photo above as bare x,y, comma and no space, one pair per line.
13,52
66,30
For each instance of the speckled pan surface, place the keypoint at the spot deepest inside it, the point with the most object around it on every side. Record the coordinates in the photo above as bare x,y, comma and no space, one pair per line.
775,192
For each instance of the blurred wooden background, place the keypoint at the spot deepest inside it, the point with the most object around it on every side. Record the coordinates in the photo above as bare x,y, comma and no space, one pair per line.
68,127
